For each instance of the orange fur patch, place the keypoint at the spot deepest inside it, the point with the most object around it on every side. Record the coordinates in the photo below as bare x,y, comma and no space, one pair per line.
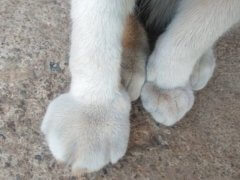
132,33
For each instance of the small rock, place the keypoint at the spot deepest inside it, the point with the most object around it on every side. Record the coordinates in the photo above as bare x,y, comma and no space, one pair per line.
167,131
160,141
54,67
7,164
38,157
105,172
2,137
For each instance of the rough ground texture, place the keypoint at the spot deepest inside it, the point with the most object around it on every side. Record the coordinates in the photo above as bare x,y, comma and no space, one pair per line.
34,45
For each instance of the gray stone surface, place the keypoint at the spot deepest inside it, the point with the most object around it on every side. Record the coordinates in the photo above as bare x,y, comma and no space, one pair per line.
34,45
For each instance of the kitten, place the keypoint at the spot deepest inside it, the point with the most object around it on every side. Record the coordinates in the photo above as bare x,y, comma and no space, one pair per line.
88,127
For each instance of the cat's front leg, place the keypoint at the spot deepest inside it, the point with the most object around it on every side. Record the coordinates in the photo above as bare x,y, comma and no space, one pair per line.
88,127
194,30
168,106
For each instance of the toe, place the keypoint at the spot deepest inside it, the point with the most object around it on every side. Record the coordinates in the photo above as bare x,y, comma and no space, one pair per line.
167,106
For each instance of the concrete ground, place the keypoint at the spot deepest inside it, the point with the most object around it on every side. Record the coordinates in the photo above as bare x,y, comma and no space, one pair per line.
34,46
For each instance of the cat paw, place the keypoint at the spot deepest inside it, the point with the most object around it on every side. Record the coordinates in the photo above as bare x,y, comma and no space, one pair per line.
203,71
167,106
87,136
134,57
133,74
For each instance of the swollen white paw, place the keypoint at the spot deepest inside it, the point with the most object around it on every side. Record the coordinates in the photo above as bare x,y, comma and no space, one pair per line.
167,106
203,71
87,136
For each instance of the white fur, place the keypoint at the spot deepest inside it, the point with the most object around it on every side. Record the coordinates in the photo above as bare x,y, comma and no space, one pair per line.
96,47
87,136
89,127
203,71
182,56
55,146
167,106
194,30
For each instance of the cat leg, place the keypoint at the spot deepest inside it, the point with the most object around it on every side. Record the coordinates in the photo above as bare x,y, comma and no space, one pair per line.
194,29
135,53
88,127
169,106
203,70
